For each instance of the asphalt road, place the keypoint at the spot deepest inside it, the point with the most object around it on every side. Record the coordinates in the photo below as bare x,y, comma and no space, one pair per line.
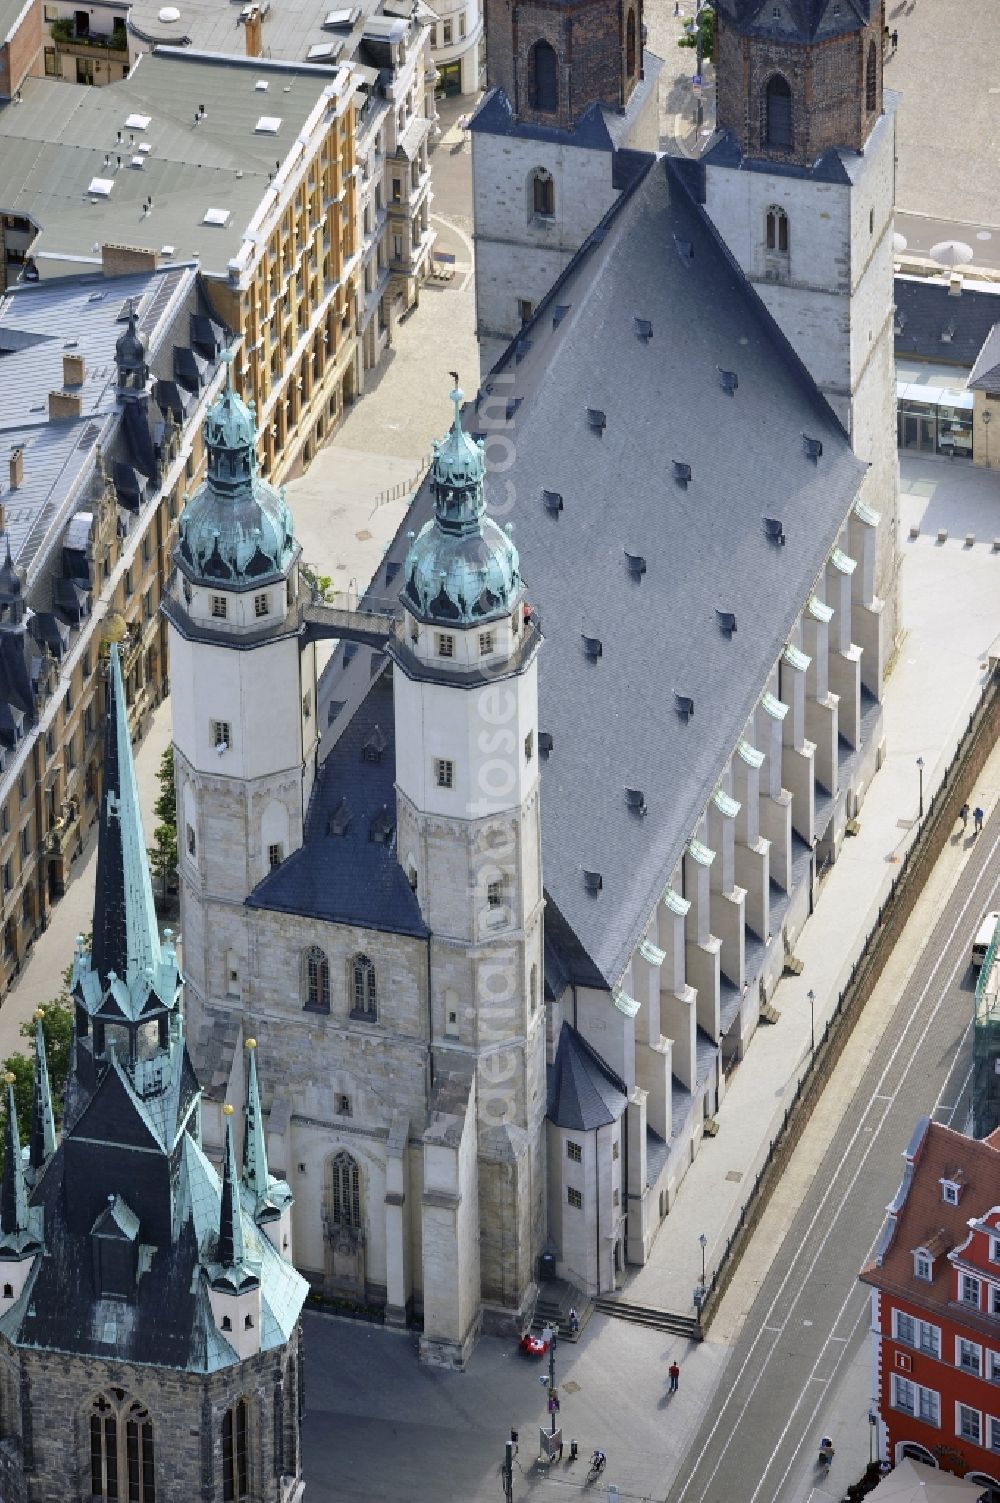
758,1445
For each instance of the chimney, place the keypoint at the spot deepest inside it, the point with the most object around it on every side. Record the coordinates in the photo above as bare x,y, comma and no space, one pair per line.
73,369
64,404
254,32
955,284
16,471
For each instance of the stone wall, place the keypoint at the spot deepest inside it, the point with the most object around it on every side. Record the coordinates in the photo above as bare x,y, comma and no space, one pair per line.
590,41
48,1457
827,80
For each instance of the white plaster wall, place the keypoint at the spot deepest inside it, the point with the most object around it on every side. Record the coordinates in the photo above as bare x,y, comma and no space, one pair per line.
481,730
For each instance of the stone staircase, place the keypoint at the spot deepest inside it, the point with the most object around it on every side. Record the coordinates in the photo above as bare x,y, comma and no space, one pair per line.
644,1315
556,1297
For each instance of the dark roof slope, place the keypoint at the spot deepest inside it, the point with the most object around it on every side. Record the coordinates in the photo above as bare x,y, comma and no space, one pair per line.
934,325
351,877
584,1092
614,720
797,20
985,374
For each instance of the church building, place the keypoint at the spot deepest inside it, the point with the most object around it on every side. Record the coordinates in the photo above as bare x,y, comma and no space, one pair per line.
149,1314
506,892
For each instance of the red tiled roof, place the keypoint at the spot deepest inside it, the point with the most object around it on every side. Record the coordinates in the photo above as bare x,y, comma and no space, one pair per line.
926,1220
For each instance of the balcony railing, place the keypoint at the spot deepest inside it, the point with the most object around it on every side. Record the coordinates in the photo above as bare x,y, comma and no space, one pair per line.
70,39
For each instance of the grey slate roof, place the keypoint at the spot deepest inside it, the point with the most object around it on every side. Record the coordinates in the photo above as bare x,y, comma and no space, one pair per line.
584,1092
926,312
614,721
985,374
350,878
598,128
797,20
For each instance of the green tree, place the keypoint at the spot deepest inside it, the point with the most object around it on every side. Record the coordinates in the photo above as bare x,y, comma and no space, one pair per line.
703,29
322,584
163,851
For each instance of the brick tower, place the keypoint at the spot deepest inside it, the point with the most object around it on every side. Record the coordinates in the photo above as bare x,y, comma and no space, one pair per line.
799,182
562,74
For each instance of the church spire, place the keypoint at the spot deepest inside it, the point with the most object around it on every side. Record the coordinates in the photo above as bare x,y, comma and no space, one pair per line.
43,1126
230,1252
255,1175
126,936
13,1194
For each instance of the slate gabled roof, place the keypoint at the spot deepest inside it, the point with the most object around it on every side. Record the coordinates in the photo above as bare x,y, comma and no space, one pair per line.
584,1092
926,310
654,257
350,878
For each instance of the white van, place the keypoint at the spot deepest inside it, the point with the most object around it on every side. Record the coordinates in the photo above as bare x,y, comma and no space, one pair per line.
983,939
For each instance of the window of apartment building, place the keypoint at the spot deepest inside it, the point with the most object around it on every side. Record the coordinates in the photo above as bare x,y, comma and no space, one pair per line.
461,27
485,643
221,734
8,875
917,1333
968,1290
128,581
275,855
574,1151
446,33
397,190
22,786
147,548
445,645
993,1433
444,772
397,247
994,1298
51,65
220,607
922,1267
5,820
70,754
904,1394
147,605
968,1423
26,841
574,1198
27,907
50,742
88,721
968,1356
993,1366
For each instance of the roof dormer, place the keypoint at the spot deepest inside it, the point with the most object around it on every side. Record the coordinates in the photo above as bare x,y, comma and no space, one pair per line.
952,1185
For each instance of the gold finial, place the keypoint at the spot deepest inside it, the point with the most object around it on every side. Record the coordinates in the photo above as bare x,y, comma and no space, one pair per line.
251,1043
39,1014
114,627
227,1110
9,1078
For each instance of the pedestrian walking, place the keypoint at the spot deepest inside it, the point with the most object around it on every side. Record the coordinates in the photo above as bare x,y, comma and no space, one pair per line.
895,39
977,818
574,1321
674,1374
963,815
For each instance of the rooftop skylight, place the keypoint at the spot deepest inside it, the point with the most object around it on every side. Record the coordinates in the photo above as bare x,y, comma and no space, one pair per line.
218,217
268,125
100,187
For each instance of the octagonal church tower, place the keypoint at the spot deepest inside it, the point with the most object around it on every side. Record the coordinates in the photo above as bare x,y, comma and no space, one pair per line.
799,181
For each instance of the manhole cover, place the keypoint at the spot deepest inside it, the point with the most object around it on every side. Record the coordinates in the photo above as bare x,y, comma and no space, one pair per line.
571,1387
363,535
735,1175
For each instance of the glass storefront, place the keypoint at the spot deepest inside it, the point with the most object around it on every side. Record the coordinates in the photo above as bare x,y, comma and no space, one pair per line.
933,410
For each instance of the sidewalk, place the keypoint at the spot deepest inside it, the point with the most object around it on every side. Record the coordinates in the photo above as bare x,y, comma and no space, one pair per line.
951,610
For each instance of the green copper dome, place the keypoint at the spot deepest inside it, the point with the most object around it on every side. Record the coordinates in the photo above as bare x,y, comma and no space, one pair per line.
461,568
235,528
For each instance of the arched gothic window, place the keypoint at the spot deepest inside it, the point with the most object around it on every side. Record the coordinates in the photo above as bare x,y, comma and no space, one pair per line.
544,75
236,1451
364,989
630,45
345,1191
316,979
777,230
871,79
778,111
121,1449
543,194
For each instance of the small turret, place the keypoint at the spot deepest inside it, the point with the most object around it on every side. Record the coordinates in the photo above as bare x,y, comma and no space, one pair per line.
20,1224
234,1284
43,1125
272,1197
132,362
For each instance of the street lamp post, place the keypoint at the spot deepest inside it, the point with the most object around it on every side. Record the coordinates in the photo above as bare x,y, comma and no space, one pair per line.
920,769
703,1243
811,999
